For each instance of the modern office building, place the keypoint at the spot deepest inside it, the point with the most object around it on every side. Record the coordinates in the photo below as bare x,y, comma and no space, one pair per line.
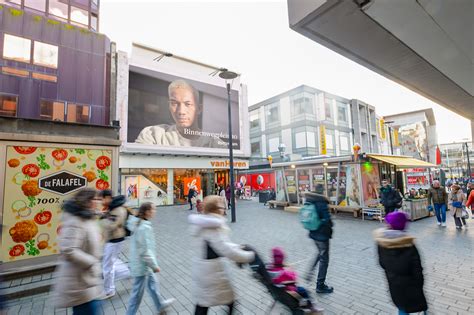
457,158
311,122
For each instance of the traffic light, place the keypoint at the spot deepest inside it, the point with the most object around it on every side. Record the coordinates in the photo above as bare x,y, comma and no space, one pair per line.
270,159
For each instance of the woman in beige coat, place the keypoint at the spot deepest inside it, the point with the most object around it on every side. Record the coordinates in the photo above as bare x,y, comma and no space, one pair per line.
457,200
210,278
78,279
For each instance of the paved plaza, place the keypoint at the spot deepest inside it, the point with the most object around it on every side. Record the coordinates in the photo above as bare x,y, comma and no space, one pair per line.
360,286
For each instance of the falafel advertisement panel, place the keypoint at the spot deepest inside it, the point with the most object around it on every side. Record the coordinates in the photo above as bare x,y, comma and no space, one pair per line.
171,111
37,181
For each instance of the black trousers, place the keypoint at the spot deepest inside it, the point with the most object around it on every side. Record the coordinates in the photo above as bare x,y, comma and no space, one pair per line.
190,205
201,310
323,259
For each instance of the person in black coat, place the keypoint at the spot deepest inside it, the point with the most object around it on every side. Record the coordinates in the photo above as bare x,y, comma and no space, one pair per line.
191,193
321,238
389,197
401,261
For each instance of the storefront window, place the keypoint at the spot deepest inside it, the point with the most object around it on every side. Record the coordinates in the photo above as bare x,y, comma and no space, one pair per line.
290,177
78,113
303,183
39,5
45,55
79,16
16,48
145,185
331,177
318,181
58,8
8,105
201,180
51,110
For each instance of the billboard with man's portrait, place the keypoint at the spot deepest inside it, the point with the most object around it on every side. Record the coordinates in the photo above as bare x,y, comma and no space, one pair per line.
165,110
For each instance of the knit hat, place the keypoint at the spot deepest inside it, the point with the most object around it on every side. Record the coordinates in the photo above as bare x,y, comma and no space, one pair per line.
397,220
278,255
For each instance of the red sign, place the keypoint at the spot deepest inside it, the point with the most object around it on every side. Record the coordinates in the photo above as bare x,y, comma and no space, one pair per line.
261,181
192,182
417,180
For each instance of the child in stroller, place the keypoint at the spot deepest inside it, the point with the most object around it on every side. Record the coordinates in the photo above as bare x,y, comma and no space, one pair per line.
281,284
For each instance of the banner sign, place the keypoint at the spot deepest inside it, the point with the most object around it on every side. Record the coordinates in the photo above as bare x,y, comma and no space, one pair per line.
383,135
38,180
322,140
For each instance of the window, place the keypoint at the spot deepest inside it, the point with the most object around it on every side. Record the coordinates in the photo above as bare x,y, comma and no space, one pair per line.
272,113
328,108
16,48
300,140
79,16
94,22
301,104
342,112
330,142
44,77
344,142
254,120
255,147
58,8
273,144
8,105
14,71
78,113
39,5
45,55
52,110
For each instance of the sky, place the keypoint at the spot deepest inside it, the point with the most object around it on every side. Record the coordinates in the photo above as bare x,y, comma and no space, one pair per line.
253,38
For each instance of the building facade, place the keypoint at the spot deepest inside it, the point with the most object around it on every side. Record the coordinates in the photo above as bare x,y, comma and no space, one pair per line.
457,158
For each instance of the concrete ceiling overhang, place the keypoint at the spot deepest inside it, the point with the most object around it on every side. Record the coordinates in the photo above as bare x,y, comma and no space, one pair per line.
416,43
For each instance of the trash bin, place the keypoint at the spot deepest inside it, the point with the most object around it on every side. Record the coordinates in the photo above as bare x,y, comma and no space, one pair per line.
263,196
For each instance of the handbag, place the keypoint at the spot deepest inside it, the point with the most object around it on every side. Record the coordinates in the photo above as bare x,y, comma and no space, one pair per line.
465,214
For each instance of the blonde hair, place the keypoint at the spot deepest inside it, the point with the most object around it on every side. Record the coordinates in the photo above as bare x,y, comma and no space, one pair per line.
213,204
176,84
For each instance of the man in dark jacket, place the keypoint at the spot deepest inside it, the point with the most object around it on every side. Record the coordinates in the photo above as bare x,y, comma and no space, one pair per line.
389,197
439,197
321,238
191,193
400,259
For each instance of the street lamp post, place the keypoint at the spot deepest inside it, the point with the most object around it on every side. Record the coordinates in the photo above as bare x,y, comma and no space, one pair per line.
229,75
468,161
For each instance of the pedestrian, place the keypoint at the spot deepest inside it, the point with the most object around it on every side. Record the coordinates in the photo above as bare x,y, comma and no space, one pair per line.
457,201
106,196
321,238
142,260
114,223
191,195
438,196
227,196
389,197
400,259
210,278
78,279
222,193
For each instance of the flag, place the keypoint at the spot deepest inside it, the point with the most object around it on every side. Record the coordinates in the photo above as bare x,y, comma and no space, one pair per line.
438,156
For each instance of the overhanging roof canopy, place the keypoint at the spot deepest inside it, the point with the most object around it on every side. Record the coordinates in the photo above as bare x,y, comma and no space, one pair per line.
401,161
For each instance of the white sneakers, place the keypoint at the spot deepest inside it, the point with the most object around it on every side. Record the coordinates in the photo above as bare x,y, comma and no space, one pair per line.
439,223
443,224
165,304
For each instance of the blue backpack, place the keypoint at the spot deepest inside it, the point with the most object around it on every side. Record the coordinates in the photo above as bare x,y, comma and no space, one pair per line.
309,217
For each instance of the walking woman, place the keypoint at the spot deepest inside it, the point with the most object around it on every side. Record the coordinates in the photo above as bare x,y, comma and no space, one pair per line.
457,199
78,279
210,280
143,262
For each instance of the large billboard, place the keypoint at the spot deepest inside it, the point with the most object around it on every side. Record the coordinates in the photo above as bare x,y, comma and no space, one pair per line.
414,141
165,110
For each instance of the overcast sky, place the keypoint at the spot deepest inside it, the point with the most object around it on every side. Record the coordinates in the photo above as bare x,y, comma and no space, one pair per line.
253,38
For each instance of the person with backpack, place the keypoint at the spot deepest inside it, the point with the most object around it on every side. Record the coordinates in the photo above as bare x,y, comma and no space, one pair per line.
114,223
390,198
401,262
316,218
143,262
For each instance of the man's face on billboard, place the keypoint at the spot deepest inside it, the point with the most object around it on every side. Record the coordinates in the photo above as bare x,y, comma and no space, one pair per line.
183,107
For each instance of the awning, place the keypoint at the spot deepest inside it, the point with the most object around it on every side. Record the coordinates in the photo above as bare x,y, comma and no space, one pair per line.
401,161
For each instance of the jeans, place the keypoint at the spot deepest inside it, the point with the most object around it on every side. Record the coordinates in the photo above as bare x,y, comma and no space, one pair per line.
202,310
139,289
112,267
440,210
400,312
323,259
89,308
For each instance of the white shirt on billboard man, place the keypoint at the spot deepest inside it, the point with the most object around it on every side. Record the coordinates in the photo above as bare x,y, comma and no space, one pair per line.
185,109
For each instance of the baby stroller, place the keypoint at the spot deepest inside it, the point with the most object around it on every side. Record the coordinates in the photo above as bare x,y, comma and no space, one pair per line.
278,292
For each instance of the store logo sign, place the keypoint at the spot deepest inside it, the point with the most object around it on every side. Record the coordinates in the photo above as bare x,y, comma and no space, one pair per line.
62,183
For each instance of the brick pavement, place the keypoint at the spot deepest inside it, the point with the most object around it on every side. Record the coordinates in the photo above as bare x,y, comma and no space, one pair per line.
360,286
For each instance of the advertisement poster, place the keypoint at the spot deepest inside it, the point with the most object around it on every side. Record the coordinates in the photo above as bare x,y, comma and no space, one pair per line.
166,110
353,191
417,178
37,181
413,141
370,183
131,187
192,182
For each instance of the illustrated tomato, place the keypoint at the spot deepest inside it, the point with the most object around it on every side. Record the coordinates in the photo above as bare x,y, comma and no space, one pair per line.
59,154
13,162
17,250
90,176
103,162
73,159
101,184
31,170
43,244
25,150
43,217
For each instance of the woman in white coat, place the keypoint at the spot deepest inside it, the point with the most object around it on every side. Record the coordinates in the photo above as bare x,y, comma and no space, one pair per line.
210,279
